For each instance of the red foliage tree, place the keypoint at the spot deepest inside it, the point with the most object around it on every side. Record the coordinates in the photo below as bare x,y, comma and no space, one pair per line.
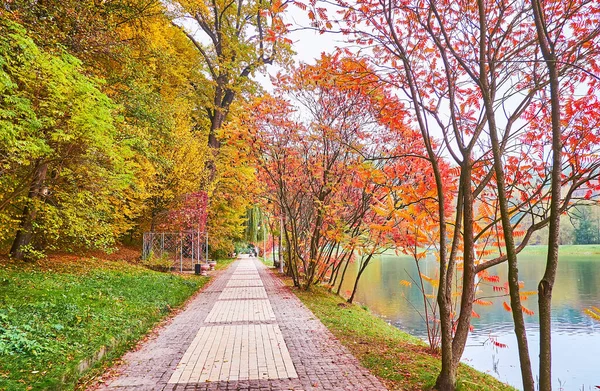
189,215
330,168
478,82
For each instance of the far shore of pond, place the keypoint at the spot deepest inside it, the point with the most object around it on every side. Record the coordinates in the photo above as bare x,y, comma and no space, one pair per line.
566,249
570,250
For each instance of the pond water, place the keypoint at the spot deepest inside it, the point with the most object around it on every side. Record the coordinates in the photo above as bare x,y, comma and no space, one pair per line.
575,338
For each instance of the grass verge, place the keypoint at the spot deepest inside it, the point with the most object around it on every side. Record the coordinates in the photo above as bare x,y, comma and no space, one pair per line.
266,260
62,318
400,360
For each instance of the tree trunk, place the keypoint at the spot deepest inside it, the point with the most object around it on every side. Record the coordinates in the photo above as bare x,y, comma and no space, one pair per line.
275,261
334,275
153,219
453,347
219,113
280,252
339,288
513,270
25,232
214,145
511,252
446,380
468,283
329,269
336,272
291,264
362,268
547,283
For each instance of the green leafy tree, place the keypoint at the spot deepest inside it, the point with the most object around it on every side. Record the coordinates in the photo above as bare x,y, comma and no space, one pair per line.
255,219
235,39
87,29
586,231
155,87
60,160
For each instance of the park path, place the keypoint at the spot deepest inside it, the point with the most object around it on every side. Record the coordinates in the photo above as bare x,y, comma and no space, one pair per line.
245,331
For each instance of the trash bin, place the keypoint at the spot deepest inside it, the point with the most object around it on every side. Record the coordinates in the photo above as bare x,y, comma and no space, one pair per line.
197,269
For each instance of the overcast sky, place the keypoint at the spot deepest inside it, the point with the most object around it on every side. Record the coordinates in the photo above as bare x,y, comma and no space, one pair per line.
308,44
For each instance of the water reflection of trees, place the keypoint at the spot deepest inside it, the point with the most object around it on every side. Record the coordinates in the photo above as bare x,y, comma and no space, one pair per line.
578,287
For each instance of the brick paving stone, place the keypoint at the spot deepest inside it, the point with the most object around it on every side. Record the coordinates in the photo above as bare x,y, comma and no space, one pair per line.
244,283
245,276
245,332
240,310
257,292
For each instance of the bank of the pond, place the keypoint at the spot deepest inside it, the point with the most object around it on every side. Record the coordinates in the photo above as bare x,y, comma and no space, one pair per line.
565,250
63,319
575,335
400,360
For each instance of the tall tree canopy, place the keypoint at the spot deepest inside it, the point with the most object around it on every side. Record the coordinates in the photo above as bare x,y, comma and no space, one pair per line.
149,68
332,146
61,159
234,39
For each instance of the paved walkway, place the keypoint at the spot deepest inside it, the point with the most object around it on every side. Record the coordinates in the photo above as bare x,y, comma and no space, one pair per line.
245,331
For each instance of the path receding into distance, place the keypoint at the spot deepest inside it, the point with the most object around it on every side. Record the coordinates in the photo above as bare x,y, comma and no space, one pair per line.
245,331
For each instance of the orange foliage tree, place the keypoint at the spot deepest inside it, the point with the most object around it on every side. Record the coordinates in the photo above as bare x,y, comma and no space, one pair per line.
478,83
332,145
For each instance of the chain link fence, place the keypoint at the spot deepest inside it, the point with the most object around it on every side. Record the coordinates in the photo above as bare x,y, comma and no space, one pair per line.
174,250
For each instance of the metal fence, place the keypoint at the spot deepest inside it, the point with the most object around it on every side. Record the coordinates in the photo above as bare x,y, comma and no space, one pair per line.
175,250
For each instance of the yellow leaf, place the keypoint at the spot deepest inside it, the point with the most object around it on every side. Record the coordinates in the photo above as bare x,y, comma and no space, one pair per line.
594,313
528,293
430,280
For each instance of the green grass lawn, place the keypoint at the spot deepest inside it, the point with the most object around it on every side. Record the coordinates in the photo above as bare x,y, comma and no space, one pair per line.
58,317
400,360
565,250
267,260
